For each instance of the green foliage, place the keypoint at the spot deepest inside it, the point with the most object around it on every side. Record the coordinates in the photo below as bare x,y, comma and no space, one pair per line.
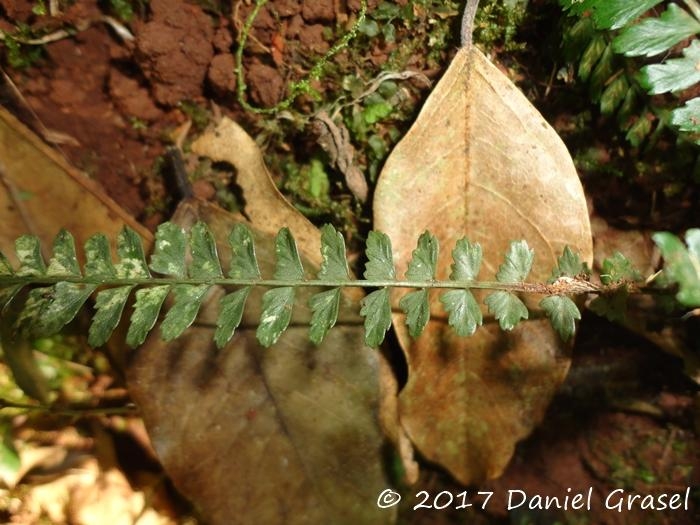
185,266
19,54
682,264
619,273
508,309
563,313
618,268
606,27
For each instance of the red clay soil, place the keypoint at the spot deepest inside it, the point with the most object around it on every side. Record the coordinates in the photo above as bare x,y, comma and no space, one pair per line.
116,102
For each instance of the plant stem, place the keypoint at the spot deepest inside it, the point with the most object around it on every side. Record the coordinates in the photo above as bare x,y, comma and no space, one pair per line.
468,22
559,287
80,412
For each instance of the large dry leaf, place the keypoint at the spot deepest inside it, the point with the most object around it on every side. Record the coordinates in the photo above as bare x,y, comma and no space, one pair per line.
41,193
480,162
285,435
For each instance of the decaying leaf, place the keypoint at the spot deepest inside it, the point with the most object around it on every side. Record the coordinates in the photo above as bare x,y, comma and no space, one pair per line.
288,434
480,162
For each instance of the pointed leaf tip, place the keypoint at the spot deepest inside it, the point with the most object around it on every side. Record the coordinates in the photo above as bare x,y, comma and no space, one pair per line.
231,309
98,258
169,252
563,314
28,251
467,260
64,261
380,263
244,264
377,313
417,309
423,264
507,308
288,265
334,264
464,312
205,258
518,263
277,312
132,262
325,307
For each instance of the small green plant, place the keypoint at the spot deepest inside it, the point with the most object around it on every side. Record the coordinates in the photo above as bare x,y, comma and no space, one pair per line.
21,52
63,289
606,29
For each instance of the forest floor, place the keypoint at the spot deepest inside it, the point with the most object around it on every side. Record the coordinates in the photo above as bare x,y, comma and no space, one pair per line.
112,103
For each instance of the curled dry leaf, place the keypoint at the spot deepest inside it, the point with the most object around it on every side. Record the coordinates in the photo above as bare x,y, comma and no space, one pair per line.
480,162
284,435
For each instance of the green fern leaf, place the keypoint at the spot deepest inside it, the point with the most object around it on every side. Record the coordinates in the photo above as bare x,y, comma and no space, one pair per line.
98,258
168,257
614,14
58,305
334,265
146,309
464,312
682,265
64,261
423,264
288,265
675,74
614,95
687,118
188,299
653,35
205,259
612,306
467,261
417,309
325,306
231,308
377,313
277,312
132,263
601,74
244,264
618,268
380,263
563,314
569,264
591,57
28,250
518,263
508,309
109,306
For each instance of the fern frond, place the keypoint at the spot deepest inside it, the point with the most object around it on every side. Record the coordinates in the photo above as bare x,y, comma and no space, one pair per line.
185,266
619,26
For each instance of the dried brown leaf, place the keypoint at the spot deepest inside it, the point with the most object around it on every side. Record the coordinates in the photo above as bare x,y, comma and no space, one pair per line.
480,162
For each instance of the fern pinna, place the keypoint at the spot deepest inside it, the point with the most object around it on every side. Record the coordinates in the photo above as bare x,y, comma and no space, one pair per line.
187,266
